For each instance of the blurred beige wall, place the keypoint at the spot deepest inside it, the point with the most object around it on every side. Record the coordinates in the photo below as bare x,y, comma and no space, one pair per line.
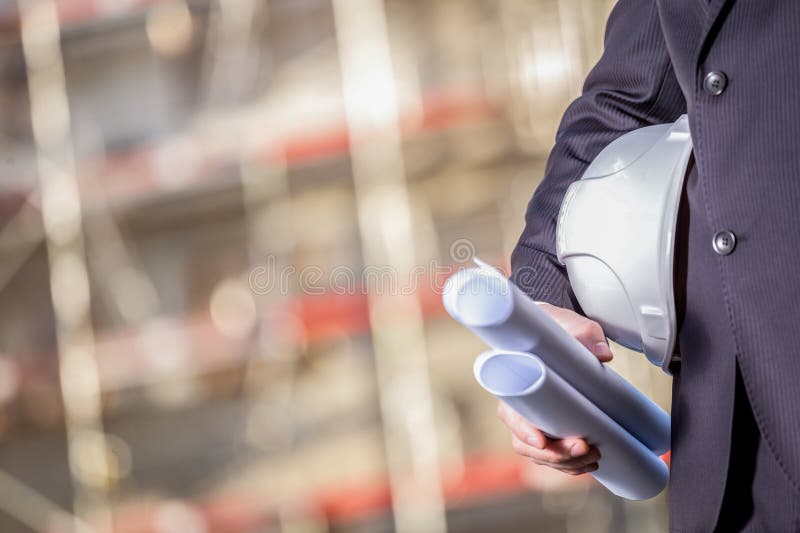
268,196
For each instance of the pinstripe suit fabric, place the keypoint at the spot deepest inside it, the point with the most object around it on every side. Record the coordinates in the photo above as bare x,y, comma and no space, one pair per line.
742,311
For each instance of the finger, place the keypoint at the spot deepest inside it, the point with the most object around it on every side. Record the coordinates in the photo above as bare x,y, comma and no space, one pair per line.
602,351
554,450
588,332
568,448
572,447
553,457
578,463
591,335
555,454
559,461
521,428
583,470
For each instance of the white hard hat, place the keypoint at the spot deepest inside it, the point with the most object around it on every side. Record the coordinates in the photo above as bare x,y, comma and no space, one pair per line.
616,233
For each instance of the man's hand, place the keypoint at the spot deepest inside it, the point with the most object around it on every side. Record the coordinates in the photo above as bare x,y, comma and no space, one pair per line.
573,455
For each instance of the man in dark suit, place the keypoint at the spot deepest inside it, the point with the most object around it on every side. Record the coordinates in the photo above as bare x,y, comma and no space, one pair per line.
734,67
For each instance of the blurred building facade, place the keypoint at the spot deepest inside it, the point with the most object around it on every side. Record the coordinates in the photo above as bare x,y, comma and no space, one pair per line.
269,196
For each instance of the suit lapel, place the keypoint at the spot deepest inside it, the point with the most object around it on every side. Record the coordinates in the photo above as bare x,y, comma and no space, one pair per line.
714,9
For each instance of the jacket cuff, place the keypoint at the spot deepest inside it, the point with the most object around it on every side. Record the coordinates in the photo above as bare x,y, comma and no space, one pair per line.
542,277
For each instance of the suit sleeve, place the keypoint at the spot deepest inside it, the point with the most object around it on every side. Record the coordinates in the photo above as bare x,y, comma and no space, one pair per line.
633,85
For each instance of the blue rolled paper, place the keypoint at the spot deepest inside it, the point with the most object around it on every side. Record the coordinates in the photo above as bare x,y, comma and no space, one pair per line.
496,310
626,467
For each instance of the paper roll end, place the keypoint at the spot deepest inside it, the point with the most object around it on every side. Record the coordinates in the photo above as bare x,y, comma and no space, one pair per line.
507,374
478,297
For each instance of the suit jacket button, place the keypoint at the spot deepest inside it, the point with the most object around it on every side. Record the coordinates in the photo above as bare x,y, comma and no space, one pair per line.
724,242
715,83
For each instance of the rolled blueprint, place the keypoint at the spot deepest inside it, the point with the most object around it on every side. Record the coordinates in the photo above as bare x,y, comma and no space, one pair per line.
626,467
506,318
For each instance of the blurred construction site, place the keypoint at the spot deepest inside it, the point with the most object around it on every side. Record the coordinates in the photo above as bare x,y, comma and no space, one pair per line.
224,228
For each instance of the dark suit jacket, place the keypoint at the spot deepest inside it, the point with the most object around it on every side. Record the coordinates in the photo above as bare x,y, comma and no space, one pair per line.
743,307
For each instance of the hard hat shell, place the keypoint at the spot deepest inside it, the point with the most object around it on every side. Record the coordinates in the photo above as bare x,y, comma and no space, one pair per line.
616,237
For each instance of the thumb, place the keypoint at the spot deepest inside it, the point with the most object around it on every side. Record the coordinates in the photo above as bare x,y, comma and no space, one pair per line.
587,331
591,335
601,350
